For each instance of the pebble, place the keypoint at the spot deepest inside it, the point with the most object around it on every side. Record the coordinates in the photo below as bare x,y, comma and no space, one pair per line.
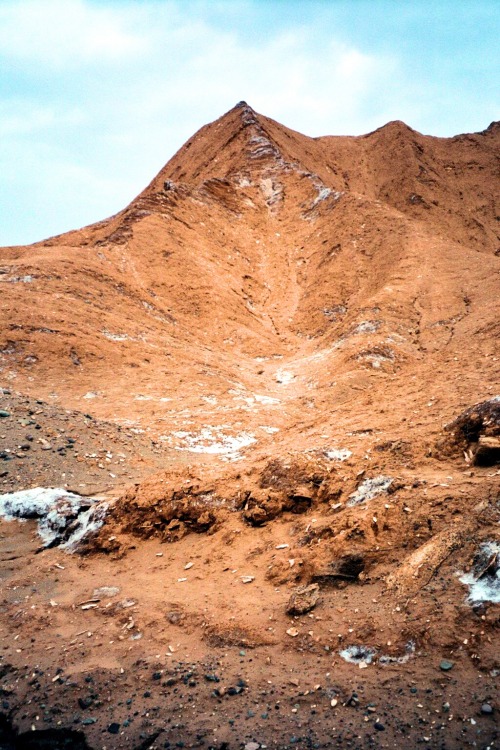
252,746
114,728
380,727
106,591
446,665
4,414
486,709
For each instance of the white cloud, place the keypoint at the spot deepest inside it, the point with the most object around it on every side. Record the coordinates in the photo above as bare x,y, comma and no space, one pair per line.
20,117
65,33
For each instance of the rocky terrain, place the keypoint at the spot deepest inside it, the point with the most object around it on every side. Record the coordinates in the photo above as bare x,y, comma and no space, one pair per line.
264,398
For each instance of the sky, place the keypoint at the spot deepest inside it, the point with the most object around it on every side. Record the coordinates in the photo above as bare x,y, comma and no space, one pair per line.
97,95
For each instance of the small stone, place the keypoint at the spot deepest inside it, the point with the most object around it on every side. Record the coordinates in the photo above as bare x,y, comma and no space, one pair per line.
446,665
252,746
114,728
247,579
486,709
303,600
333,702
106,591
292,632
379,727
4,414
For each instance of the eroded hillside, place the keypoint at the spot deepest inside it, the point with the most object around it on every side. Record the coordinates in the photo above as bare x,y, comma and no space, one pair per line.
250,367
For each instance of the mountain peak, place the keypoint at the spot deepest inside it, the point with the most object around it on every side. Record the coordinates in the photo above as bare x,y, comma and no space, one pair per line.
240,139
247,114
394,127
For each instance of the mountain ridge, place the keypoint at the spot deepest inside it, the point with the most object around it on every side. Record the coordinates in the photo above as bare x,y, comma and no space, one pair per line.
276,242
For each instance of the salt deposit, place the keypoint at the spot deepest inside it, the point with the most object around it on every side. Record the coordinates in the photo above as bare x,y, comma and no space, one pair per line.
64,518
369,489
338,454
484,579
213,440
284,377
358,654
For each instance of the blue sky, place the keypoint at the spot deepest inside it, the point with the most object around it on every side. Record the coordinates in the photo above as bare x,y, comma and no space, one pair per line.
96,95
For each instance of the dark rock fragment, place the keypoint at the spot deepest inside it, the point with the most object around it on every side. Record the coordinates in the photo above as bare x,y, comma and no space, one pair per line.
476,433
346,568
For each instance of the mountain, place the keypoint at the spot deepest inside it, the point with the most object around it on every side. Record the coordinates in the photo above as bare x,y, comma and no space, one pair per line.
352,263
288,347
